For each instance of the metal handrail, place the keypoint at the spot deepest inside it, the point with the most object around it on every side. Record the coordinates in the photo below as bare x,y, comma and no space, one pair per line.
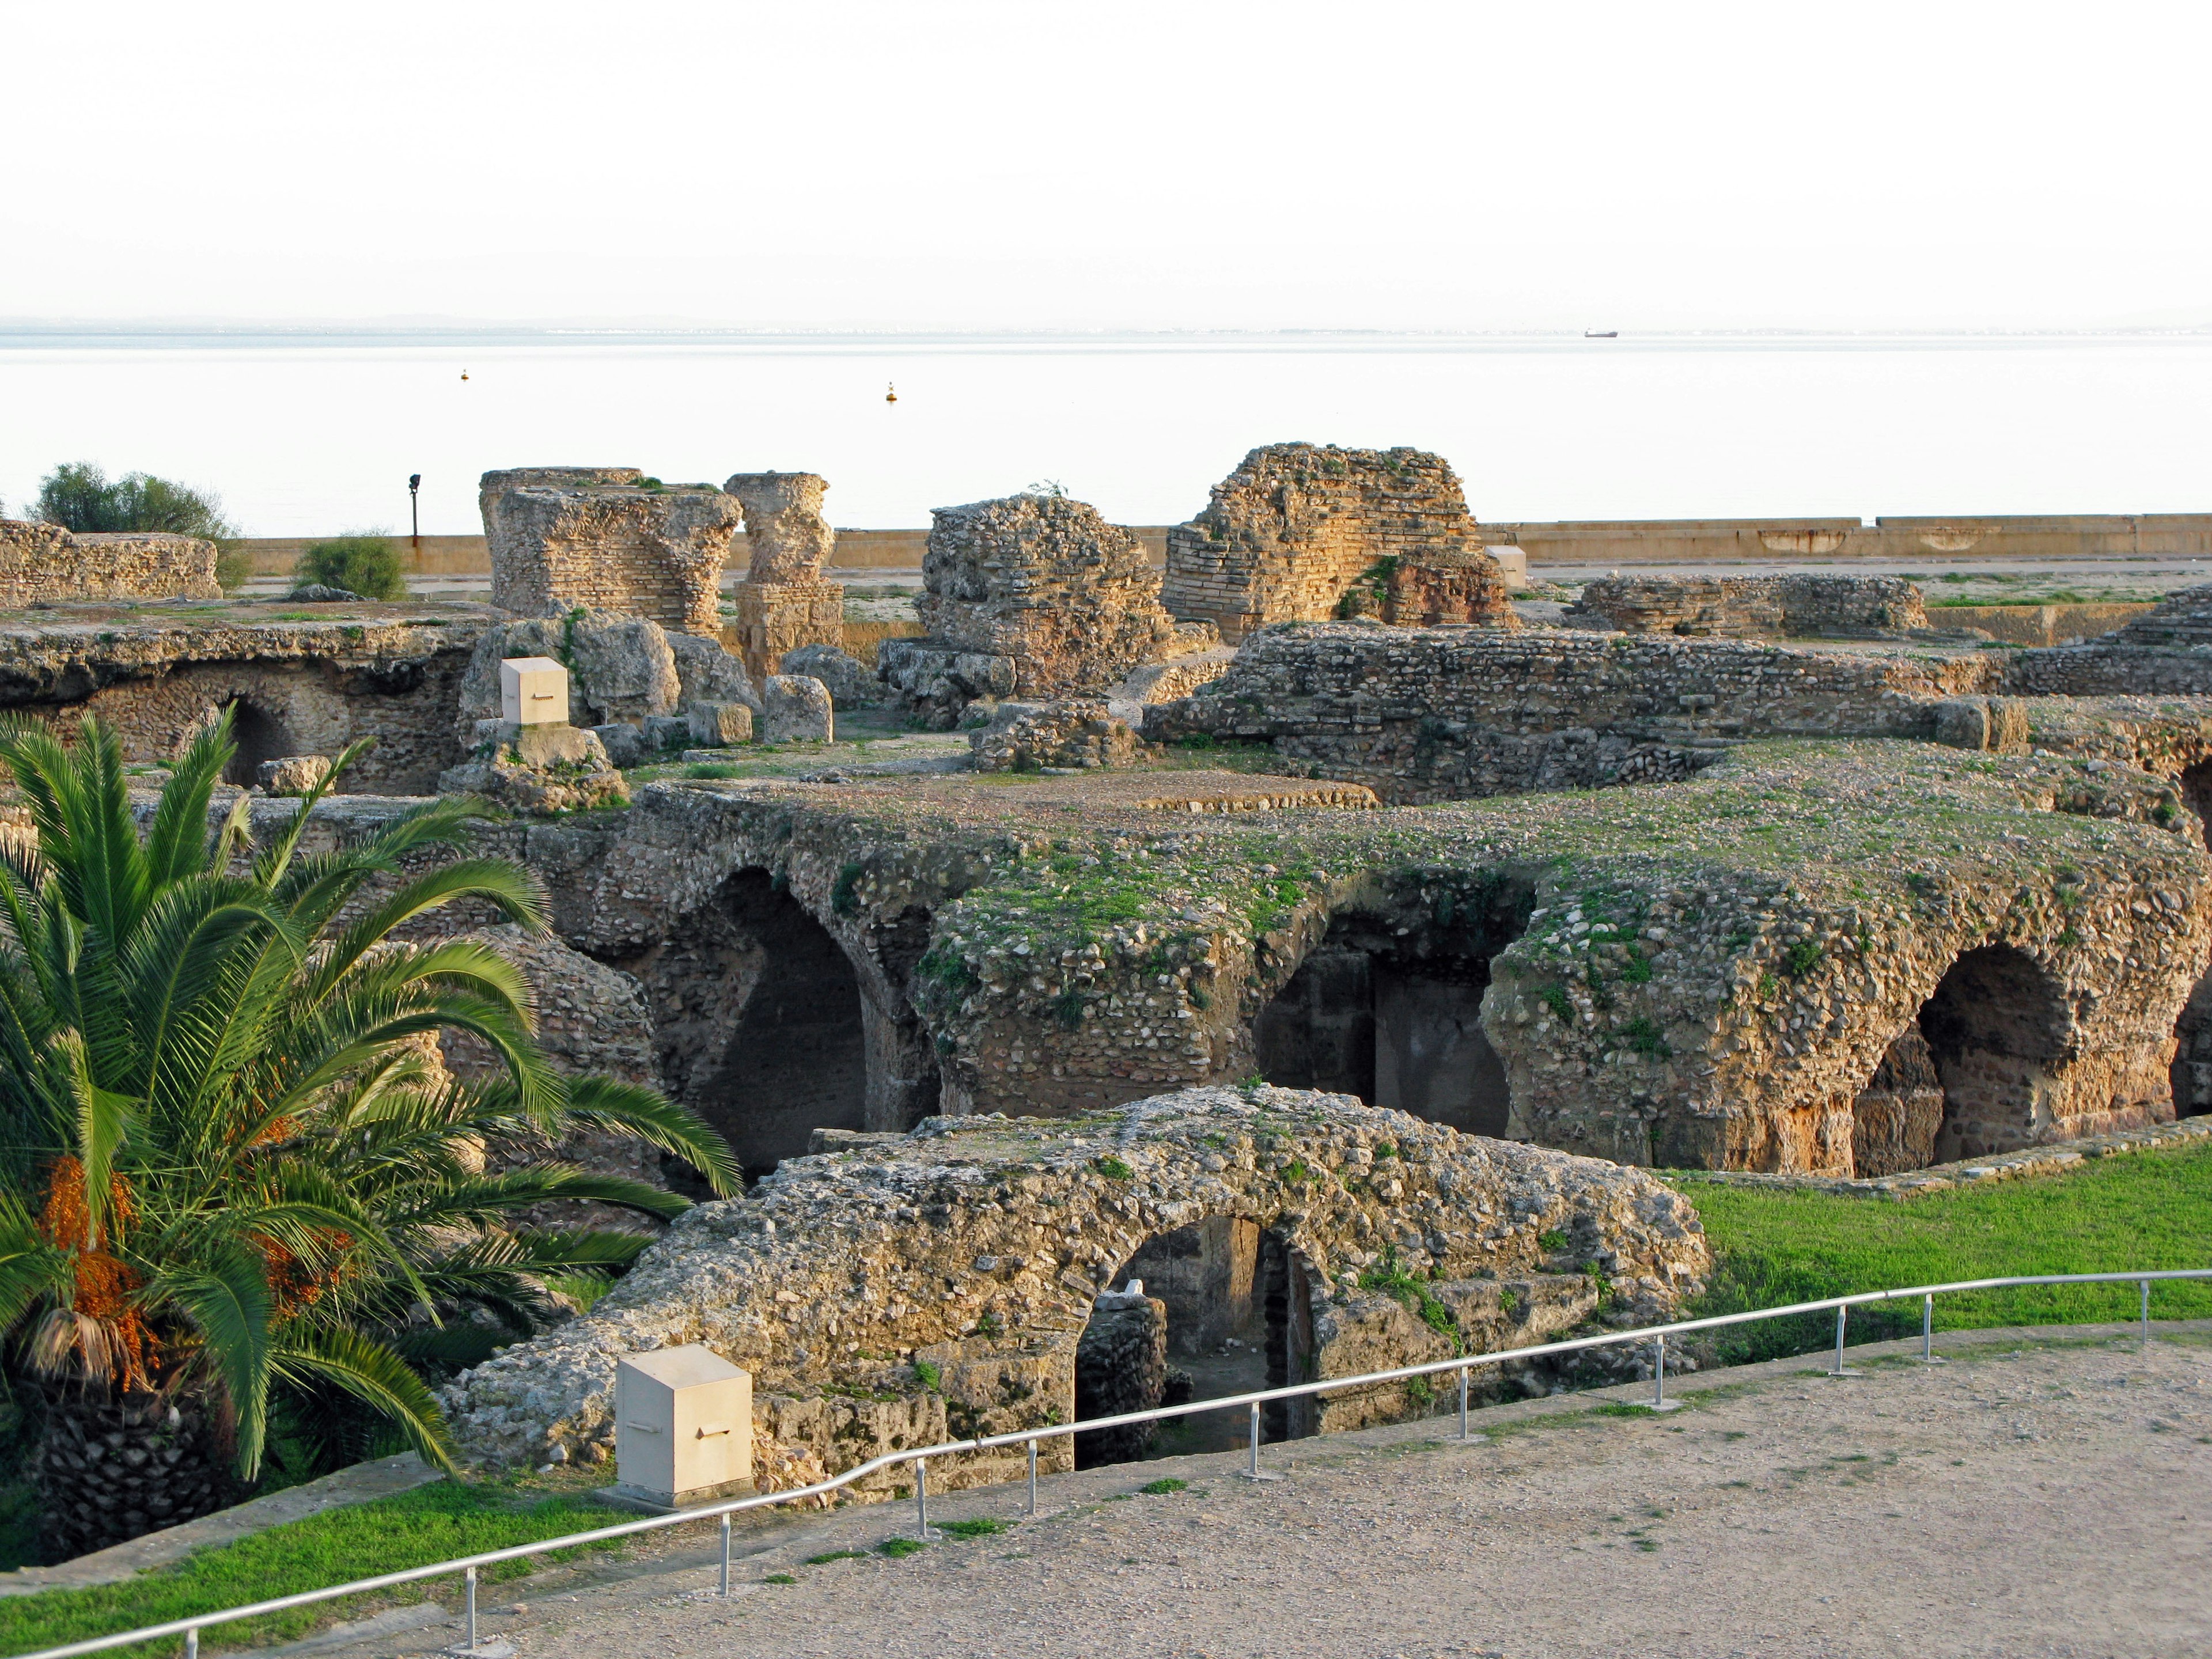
1464,1364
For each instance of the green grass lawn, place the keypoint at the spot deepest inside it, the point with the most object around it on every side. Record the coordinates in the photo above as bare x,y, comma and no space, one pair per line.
2142,1210
430,1524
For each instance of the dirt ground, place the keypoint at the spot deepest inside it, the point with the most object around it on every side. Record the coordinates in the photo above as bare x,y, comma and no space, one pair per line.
2038,1495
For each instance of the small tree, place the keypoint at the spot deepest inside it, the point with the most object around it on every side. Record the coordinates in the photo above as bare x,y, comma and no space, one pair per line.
78,495
362,563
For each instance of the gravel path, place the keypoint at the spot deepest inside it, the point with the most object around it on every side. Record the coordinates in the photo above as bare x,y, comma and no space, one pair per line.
2051,1498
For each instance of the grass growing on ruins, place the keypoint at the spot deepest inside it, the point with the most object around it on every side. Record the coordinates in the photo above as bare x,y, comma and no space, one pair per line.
2145,1210
430,1524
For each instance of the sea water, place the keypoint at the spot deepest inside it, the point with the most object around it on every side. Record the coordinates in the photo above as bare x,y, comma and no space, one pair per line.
311,434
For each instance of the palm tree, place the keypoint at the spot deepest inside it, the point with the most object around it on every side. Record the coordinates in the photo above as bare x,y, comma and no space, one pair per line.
233,1169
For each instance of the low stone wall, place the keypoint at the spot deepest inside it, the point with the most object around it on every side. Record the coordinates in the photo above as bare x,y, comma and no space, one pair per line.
1422,715
2166,652
976,1247
45,564
1756,607
2040,625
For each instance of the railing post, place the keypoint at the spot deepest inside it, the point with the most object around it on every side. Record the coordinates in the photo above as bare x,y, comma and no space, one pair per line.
1840,1369
192,1644
1928,1331
472,1609
1252,1472
1032,1508
921,1498
726,1551
2146,1316
1463,1373
1659,1400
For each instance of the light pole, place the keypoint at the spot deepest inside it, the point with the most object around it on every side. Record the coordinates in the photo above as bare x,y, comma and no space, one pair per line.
415,511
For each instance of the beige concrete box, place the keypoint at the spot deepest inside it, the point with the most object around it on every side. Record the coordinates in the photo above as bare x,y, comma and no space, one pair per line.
683,1427
533,691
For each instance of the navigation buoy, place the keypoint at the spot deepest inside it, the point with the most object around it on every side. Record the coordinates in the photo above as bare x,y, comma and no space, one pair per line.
890,393
464,375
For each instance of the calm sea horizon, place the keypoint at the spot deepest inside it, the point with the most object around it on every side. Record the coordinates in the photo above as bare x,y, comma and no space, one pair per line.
312,432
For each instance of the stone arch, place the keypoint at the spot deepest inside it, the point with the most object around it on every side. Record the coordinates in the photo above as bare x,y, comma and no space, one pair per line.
759,1020
1897,1115
260,736
1225,1310
1388,1007
1995,1027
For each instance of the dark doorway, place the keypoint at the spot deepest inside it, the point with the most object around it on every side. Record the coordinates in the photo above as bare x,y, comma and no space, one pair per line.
1392,1013
1994,1027
260,736
1225,1311
1897,1115
757,1015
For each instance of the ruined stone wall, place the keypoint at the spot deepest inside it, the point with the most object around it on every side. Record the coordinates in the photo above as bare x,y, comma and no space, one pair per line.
1297,525
44,564
1045,583
977,1246
1442,713
300,688
561,538
2167,653
1755,607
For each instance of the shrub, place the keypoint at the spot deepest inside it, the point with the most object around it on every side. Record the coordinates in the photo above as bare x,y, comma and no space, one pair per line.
362,563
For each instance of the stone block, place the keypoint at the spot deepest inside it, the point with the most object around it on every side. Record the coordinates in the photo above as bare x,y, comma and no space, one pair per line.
776,618
624,743
541,746
852,682
533,691
1963,722
715,724
293,775
796,709
624,666
665,731
706,672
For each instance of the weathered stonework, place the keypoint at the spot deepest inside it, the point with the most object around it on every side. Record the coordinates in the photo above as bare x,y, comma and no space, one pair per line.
1756,607
390,672
1045,583
45,564
600,538
1296,526
784,604
1026,736
622,668
2166,653
976,1247
1438,713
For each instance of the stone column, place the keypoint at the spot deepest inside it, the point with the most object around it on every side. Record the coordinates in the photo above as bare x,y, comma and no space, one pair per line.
785,602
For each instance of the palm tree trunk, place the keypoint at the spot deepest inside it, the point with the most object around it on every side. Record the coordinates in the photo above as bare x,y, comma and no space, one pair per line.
111,1466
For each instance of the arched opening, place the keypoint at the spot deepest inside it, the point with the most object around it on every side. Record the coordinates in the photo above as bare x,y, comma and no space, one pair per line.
2191,1072
758,1019
1994,1027
260,736
1897,1115
1392,1013
1224,1310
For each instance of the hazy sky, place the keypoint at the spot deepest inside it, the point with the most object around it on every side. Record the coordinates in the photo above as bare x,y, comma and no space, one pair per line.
837,163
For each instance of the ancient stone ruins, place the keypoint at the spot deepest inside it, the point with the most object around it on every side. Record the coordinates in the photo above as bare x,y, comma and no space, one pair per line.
1304,920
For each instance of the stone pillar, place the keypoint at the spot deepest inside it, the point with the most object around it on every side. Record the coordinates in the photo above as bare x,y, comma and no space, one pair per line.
785,602
566,539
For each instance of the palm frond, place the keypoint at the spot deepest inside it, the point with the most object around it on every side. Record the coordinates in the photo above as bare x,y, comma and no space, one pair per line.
373,1373
651,1116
